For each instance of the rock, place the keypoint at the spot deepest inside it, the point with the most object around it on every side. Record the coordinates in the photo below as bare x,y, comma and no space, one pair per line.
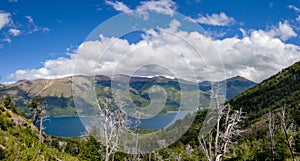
2,147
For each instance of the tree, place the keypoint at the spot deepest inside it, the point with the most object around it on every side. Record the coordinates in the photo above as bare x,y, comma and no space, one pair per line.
215,145
9,104
38,105
137,128
289,130
112,123
272,130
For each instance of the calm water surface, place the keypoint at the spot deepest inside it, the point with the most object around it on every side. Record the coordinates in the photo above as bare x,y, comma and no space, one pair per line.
72,126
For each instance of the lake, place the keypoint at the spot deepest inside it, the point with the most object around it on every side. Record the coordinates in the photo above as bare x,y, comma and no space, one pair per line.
73,127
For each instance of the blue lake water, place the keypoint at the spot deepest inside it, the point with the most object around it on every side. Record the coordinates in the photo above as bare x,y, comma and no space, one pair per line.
73,127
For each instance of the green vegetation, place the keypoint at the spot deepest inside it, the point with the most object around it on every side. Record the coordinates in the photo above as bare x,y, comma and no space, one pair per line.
19,139
264,117
58,92
274,92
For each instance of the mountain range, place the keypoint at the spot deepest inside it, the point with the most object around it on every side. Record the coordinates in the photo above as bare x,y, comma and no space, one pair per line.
281,89
58,92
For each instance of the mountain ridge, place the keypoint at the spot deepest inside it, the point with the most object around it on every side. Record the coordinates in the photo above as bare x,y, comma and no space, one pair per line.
58,92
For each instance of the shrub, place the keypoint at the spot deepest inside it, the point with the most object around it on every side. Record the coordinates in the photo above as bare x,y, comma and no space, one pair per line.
7,114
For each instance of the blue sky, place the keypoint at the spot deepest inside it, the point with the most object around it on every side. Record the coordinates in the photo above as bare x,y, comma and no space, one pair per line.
33,32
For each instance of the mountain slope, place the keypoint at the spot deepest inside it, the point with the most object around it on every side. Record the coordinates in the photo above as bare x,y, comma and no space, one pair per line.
19,140
234,86
281,89
58,92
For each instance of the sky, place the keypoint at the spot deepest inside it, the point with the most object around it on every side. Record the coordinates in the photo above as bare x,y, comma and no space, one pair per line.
54,38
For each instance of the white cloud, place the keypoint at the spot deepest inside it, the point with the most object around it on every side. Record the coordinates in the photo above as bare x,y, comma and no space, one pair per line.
7,83
29,18
256,56
4,19
33,27
294,8
119,6
284,31
14,32
7,39
167,7
215,19
15,28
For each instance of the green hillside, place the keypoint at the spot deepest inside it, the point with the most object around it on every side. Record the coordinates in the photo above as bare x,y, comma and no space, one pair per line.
281,89
19,139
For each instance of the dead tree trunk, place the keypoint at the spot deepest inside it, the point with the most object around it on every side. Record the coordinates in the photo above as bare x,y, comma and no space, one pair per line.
111,125
272,133
286,126
225,131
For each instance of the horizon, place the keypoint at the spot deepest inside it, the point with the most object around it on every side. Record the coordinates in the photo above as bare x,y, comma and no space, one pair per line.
135,76
36,45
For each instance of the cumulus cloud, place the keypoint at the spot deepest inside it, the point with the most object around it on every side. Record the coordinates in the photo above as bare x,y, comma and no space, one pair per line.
167,7
284,31
119,6
14,32
215,19
4,19
57,68
256,56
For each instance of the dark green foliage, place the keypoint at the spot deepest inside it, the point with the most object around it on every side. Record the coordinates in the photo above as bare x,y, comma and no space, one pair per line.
36,104
9,104
280,89
5,122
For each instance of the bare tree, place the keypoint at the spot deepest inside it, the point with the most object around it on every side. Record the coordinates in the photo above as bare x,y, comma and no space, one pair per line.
138,123
272,129
288,127
112,123
215,147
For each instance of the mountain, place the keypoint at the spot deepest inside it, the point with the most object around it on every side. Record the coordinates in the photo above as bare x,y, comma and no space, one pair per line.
234,86
58,92
253,144
281,89
258,102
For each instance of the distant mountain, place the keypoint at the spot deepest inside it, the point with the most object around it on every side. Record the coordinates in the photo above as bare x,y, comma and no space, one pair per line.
234,86
58,92
281,89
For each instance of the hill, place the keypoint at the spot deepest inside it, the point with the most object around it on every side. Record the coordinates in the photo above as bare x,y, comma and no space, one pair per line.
280,89
234,86
19,140
58,92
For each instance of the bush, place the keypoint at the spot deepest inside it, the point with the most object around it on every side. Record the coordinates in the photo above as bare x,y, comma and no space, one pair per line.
14,110
2,154
2,108
5,123
7,114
